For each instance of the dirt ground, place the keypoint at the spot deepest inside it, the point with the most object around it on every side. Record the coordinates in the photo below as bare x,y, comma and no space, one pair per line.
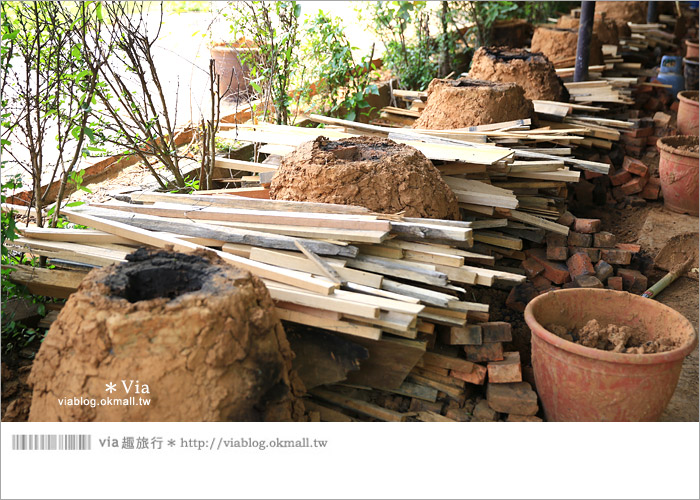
651,226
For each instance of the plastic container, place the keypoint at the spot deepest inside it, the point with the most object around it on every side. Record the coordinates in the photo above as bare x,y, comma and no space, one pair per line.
581,384
671,73
690,73
678,171
687,119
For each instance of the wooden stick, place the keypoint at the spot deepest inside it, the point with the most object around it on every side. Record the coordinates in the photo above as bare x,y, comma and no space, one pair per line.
324,268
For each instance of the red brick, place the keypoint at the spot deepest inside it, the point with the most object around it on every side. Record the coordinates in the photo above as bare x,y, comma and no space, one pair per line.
586,281
654,181
620,177
604,239
496,331
632,280
579,264
615,282
517,398
492,351
650,192
532,267
520,295
580,239
566,219
556,240
634,150
652,140
557,253
638,132
634,141
674,106
506,371
587,226
616,256
635,166
630,247
634,186
522,418
476,376
462,335
593,253
553,271
603,270
588,175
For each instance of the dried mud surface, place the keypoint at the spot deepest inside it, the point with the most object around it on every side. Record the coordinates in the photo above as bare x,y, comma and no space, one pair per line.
623,12
604,29
378,174
201,334
615,338
466,103
533,72
559,45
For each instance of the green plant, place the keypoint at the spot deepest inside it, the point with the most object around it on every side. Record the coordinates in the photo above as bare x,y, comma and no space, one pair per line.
15,334
47,91
191,185
273,29
341,84
404,29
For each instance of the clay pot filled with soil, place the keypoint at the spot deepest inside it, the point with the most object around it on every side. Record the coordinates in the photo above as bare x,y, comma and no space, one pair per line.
370,172
464,103
194,336
603,28
533,72
559,45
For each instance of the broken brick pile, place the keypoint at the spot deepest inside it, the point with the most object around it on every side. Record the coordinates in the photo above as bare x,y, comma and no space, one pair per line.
634,178
586,258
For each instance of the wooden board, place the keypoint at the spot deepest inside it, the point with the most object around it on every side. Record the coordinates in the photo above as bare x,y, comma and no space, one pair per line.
54,283
336,221
295,278
249,204
390,361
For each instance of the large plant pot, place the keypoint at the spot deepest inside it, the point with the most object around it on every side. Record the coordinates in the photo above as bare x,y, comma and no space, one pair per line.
687,119
691,48
578,383
231,67
678,170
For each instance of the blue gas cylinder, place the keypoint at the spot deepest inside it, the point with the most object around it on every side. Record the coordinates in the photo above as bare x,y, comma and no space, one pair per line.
671,73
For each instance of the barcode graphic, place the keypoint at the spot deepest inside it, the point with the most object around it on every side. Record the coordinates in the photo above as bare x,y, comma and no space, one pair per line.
51,442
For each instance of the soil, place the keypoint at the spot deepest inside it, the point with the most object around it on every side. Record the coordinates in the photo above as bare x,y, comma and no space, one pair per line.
16,392
559,45
680,143
466,103
375,173
622,339
200,334
605,29
531,71
622,13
